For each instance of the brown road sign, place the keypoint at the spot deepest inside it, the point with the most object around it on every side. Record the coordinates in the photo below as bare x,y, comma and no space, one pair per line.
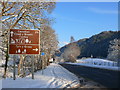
24,49
24,36
24,41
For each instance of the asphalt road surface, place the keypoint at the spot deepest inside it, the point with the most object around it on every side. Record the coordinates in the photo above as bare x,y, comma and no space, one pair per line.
107,78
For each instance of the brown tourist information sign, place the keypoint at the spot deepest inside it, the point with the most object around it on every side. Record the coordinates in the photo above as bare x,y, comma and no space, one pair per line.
24,41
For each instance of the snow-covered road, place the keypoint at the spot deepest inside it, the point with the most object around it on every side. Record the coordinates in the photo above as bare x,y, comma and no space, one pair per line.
54,76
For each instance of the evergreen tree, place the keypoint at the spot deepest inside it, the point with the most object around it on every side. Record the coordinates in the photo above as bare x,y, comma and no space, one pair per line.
72,39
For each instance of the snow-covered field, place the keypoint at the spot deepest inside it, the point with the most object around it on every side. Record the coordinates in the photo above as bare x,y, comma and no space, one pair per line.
98,63
54,76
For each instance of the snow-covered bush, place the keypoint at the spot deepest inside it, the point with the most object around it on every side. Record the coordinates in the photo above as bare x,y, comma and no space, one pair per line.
114,50
71,53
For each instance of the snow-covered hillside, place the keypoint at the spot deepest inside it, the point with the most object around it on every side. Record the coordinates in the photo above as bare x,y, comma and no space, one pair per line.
54,76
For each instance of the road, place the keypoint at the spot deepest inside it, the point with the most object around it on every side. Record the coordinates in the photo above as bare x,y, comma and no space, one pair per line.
107,78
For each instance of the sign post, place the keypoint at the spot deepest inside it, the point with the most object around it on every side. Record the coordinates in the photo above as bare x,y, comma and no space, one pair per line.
24,42
43,63
32,66
14,69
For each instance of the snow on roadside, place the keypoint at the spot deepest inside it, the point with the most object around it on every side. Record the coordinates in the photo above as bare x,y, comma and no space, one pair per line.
0,84
97,63
54,76
1,69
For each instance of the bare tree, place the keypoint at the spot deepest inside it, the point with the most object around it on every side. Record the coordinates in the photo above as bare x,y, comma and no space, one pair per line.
71,52
23,15
48,42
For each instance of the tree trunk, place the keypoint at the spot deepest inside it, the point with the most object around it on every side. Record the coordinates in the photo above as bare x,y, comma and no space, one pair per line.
7,57
20,64
40,63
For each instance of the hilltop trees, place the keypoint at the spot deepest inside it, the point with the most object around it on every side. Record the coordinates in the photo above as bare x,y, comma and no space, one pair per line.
72,39
23,15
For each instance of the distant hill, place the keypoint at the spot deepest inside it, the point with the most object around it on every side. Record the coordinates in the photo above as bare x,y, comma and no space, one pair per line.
97,45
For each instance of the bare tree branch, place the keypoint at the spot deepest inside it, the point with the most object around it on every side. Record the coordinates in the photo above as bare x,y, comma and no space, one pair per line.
9,7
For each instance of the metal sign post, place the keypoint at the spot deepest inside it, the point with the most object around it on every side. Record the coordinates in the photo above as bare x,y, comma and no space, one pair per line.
43,61
24,42
32,66
14,69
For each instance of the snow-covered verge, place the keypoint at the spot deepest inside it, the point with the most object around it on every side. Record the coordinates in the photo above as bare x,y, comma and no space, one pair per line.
1,73
1,69
9,69
0,84
97,63
54,76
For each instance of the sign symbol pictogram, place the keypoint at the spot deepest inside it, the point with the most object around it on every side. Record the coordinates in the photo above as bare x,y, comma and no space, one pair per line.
36,49
26,40
19,51
24,51
11,33
12,41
